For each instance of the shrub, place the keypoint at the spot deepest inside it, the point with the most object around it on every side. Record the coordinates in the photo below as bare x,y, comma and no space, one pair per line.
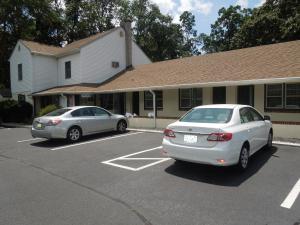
12,111
47,109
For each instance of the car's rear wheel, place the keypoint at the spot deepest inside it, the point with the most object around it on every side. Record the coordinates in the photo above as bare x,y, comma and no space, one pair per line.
74,134
244,158
122,125
270,140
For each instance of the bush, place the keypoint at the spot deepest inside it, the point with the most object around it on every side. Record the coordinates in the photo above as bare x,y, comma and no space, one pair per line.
12,111
47,109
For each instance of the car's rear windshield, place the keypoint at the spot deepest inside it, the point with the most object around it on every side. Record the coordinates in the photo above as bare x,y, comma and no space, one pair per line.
58,112
208,115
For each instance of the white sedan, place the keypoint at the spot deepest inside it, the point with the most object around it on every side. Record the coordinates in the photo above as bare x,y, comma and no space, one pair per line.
219,135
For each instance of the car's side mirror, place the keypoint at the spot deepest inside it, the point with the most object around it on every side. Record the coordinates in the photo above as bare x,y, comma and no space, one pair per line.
266,117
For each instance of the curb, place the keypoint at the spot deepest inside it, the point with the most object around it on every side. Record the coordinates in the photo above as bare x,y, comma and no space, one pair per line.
14,125
145,130
286,143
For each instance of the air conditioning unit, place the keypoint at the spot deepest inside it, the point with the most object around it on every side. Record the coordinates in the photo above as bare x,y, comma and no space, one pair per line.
115,64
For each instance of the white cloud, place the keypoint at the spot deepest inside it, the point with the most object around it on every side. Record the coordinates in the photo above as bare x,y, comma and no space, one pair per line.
242,3
204,7
165,6
260,3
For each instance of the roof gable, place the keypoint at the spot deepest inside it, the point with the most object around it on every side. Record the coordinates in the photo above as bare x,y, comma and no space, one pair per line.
43,49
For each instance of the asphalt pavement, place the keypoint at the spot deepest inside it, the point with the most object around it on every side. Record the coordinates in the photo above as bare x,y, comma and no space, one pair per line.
124,179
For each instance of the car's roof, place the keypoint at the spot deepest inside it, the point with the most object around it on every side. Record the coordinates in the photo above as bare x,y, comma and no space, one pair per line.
222,106
79,107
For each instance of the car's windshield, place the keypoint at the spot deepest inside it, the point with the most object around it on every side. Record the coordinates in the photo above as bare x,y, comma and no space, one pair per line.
58,112
208,115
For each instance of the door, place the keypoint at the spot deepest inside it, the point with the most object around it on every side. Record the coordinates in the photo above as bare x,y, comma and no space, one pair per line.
253,128
85,119
219,95
136,103
245,95
260,128
102,120
119,103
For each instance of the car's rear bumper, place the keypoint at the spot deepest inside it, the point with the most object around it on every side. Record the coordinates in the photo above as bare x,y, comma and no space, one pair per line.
49,132
223,154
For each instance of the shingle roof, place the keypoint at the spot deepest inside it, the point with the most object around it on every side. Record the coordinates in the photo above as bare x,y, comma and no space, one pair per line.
244,65
44,49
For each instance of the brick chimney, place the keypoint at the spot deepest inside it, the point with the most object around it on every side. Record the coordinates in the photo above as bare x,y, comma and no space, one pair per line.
126,25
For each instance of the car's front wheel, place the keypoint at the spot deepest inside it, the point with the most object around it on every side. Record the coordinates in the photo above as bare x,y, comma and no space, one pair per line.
74,134
244,158
270,140
122,125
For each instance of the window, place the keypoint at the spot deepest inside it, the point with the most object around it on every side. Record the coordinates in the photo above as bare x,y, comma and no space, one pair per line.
274,96
99,112
82,112
245,95
148,100
21,98
20,72
255,115
246,116
68,70
189,98
282,97
219,95
208,115
107,101
58,112
292,96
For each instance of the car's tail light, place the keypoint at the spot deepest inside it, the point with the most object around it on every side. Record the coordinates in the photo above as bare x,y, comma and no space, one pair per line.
169,133
54,122
219,137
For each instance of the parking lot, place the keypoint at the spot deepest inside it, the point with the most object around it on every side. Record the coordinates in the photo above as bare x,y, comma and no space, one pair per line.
124,179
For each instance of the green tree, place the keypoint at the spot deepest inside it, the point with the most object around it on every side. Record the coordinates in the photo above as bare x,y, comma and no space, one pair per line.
27,19
191,41
224,29
276,21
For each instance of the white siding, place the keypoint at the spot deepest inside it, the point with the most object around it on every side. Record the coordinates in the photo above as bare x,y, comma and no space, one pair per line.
97,57
44,72
24,57
75,70
138,56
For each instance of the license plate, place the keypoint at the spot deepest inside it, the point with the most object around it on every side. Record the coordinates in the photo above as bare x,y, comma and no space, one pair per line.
190,139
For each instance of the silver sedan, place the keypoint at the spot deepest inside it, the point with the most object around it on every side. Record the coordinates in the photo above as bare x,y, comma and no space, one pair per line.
74,122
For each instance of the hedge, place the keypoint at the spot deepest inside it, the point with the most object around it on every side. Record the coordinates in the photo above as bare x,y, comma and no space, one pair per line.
13,111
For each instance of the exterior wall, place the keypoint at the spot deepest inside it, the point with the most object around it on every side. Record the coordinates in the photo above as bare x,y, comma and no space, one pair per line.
25,58
75,70
97,57
138,56
44,72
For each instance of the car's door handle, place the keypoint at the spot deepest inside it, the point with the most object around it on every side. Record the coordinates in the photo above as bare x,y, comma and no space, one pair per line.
249,130
78,121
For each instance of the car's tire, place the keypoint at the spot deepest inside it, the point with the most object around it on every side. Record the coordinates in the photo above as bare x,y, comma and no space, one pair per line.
122,126
270,140
74,134
244,158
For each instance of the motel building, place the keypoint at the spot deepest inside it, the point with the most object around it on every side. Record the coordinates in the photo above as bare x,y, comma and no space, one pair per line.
111,71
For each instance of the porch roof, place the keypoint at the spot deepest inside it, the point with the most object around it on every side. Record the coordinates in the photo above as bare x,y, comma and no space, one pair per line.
257,65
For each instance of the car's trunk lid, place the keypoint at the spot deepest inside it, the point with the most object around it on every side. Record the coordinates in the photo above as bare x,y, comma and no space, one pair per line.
192,134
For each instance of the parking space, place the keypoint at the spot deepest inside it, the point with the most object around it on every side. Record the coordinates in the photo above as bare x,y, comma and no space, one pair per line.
124,179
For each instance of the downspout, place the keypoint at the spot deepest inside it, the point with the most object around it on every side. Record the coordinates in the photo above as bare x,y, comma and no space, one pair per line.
154,107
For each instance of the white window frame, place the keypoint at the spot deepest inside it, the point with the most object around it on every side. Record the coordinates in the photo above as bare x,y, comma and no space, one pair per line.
282,92
285,97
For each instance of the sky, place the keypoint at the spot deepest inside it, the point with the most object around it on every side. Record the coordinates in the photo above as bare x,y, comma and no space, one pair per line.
205,11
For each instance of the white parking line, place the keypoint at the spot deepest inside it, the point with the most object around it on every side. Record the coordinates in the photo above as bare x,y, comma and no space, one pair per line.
292,196
125,157
32,139
98,140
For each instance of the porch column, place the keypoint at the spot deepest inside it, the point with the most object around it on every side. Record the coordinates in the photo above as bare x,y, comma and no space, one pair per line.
154,107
